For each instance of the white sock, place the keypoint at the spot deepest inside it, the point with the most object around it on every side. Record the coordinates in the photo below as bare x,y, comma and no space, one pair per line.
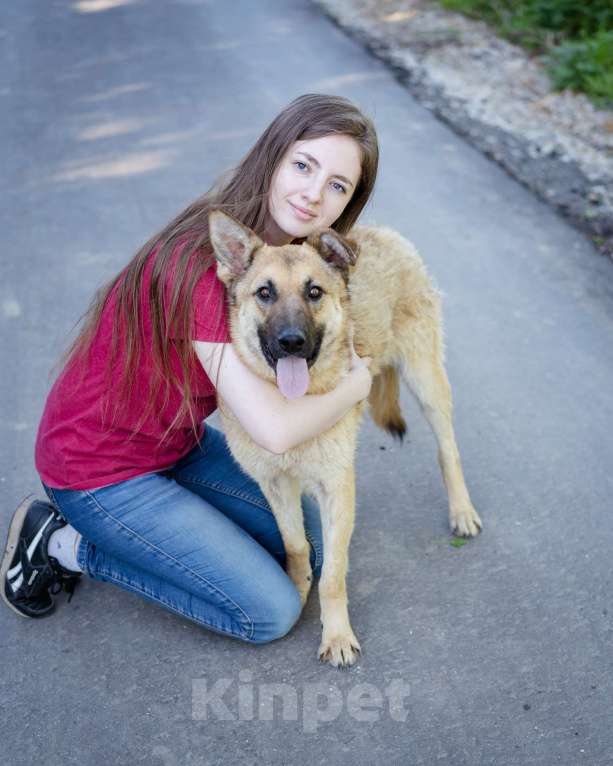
63,545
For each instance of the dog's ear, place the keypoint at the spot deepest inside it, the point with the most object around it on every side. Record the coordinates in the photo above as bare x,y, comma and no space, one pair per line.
234,245
334,249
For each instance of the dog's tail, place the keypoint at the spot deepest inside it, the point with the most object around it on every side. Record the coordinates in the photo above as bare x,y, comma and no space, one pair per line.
384,401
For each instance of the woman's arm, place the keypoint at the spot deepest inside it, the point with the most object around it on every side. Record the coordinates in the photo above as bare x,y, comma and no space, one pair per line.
274,422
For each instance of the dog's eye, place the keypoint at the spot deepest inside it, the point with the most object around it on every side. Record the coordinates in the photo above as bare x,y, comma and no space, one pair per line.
263,293
315,293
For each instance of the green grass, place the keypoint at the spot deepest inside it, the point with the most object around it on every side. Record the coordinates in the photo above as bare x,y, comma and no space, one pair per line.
575,38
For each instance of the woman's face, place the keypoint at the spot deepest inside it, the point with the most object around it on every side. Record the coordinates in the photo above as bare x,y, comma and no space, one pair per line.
311,187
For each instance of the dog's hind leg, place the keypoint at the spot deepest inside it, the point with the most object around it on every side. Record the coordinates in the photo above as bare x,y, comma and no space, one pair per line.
284,497
425,374
336,500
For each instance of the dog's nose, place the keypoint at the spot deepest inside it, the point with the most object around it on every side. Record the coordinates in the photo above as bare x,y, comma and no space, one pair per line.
291,340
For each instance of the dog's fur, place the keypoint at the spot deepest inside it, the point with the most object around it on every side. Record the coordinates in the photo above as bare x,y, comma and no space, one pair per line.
374,278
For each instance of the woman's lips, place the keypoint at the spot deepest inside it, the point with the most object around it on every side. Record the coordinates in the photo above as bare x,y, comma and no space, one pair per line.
304,216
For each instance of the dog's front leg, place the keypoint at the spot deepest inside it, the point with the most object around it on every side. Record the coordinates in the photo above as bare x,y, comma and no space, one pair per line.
337,504
284,497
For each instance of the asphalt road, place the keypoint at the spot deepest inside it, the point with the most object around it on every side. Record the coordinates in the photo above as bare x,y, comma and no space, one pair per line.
113,116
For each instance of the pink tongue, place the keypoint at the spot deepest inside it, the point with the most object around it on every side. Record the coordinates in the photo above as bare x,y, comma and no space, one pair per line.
292,376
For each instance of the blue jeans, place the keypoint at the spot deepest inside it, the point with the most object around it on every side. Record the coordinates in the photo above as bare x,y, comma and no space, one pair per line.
199,538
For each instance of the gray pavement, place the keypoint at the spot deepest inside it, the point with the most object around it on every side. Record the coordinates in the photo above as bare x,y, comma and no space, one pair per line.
114,115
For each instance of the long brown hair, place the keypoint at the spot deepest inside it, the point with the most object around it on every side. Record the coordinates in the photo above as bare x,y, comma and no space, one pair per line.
241,192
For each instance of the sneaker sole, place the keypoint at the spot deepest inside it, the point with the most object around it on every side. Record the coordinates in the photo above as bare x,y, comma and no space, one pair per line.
11,546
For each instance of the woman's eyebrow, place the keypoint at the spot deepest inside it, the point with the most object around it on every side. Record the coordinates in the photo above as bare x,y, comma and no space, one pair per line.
315,162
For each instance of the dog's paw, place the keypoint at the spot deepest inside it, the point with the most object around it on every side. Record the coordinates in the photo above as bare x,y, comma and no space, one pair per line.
465,522
340,650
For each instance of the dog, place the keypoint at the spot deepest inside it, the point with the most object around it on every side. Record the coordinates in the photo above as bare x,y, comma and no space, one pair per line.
292,312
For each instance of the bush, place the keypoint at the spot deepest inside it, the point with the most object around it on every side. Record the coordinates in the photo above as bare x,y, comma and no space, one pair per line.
569,18
575,37
585,65
535,18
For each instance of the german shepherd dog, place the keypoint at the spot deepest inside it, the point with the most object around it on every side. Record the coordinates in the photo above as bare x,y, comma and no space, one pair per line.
292,310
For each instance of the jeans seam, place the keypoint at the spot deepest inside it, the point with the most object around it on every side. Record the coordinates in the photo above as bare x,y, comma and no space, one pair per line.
82,557
223,489
218,487
175,561
177,610
311,540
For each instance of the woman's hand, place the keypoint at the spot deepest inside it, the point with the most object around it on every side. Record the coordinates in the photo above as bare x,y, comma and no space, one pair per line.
359,373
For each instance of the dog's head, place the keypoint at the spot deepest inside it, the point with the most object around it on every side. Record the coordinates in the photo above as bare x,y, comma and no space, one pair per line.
288,304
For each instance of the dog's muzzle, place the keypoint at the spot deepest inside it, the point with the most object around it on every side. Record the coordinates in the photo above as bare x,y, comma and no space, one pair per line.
290,353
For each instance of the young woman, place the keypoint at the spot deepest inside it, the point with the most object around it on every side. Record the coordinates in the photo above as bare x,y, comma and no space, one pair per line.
142,494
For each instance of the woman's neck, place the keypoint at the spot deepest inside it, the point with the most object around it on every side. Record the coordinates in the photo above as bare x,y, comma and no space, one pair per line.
275,236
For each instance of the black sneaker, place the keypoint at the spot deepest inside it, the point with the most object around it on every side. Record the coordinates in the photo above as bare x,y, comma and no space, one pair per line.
28,575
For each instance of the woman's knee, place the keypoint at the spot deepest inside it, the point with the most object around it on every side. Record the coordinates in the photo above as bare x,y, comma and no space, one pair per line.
277,617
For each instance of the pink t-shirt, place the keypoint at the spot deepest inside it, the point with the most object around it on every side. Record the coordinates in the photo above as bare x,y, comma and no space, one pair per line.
76,449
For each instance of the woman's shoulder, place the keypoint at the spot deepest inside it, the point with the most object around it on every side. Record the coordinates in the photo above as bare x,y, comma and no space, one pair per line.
173,267
208,283
210,307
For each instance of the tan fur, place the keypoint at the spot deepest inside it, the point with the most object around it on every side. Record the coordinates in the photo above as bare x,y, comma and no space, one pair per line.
384,401
397,321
